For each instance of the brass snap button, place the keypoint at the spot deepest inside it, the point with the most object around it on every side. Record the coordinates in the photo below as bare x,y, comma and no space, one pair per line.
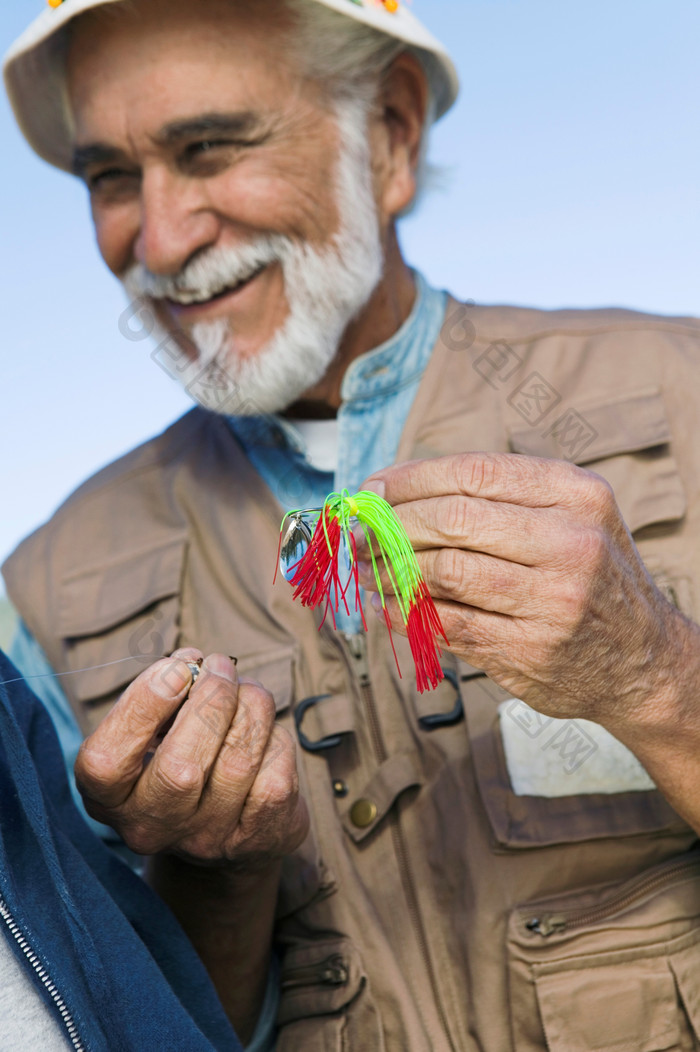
363,813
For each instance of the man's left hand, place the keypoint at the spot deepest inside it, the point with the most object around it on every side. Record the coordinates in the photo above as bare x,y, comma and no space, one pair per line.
538,582
205,773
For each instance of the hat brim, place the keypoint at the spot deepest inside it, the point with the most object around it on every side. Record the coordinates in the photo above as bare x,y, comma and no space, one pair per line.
34,69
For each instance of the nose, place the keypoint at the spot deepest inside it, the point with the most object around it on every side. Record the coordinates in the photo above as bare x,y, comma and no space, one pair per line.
176,222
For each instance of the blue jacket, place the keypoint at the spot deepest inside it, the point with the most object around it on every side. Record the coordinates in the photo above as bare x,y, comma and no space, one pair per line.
105,947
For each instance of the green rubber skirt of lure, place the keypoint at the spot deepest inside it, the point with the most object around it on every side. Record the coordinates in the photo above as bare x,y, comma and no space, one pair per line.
315,573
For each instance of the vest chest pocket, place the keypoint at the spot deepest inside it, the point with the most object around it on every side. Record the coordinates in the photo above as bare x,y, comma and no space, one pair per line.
325,1003
628,442
612,969
116,619
581,814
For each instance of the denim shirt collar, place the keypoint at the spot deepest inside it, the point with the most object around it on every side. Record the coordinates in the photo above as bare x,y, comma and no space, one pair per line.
394,364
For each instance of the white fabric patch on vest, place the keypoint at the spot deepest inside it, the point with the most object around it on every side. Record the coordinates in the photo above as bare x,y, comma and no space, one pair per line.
548,757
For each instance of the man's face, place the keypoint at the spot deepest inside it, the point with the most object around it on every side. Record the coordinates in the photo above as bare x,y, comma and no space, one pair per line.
215,184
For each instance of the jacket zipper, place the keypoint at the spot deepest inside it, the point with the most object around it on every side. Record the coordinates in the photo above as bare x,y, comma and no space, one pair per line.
44,977
358,649
568,920
333,971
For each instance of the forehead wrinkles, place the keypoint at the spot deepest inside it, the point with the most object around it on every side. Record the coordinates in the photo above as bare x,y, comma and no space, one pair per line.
267,16
178,44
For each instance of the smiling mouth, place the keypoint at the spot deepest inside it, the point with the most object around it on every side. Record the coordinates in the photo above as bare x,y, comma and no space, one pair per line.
192,299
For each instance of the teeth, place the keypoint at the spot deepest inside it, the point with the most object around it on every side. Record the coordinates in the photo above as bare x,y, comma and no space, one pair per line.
192,297
198,297
187,298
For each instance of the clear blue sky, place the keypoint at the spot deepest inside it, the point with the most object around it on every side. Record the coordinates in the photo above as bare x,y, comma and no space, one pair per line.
572,178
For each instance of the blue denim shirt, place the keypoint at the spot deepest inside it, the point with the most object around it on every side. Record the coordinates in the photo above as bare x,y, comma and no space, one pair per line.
377,392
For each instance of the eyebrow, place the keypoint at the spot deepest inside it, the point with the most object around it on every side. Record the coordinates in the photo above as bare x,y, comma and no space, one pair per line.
94,153
244,123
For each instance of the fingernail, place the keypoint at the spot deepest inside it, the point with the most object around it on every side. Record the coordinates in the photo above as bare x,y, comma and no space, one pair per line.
222,666
376,601
377,486
194,667
173,678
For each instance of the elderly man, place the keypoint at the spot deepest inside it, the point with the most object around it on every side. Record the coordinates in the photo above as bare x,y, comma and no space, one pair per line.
503,862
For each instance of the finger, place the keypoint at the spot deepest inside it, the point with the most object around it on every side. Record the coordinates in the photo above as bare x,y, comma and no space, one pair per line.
516,479
519,534
241,754
481,637
275,818
193,657
173,783
111,759
486,583
473,579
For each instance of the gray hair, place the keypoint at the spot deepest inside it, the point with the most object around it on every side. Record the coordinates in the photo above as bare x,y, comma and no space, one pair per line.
351,59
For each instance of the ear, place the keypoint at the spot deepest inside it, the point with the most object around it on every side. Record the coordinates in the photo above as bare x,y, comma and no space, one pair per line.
403,104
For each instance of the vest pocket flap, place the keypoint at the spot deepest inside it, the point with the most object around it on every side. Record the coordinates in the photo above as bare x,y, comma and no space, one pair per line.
398,773
536,821
626,425
110,661
97,598
629,1007
629,445
274,671
318,979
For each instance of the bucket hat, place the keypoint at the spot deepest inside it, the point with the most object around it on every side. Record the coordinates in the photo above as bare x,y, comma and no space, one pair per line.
34,66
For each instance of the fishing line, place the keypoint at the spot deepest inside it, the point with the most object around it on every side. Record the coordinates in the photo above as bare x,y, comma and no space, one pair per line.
57,675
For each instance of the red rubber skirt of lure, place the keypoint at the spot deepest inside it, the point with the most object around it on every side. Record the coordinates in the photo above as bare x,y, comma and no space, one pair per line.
317,577
423,626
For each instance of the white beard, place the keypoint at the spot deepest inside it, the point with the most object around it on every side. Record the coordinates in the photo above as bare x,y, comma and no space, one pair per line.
325,290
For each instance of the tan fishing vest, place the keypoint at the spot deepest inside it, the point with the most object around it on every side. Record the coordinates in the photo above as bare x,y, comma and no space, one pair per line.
431,908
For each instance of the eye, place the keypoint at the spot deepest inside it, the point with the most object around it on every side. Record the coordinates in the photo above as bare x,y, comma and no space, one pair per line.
203,147
108,179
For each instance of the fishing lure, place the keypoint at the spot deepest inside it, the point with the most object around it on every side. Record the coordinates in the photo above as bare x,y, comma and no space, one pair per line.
312,545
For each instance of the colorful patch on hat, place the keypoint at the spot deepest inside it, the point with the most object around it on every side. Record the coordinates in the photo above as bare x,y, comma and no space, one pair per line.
391,6
54,3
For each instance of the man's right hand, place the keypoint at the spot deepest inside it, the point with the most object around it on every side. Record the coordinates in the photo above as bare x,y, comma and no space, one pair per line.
220,786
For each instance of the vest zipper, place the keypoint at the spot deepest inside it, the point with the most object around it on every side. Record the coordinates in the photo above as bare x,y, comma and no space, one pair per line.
358,649
569,920
333,971
44,977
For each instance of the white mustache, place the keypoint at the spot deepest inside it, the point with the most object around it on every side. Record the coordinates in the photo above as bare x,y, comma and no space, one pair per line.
208,274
